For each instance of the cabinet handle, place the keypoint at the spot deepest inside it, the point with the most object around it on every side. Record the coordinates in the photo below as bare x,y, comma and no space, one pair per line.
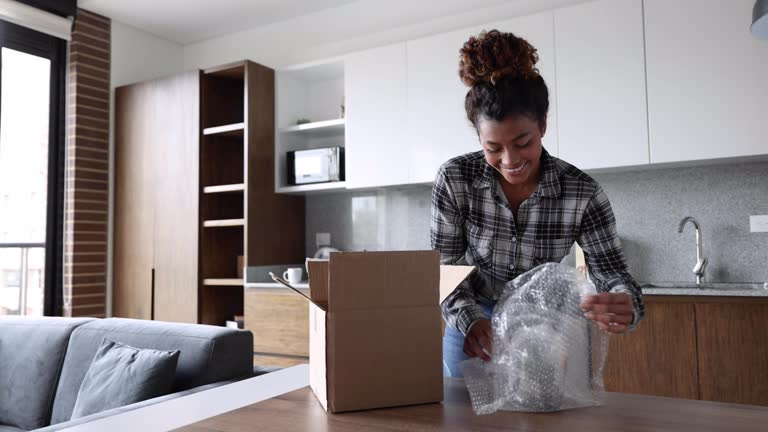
152,298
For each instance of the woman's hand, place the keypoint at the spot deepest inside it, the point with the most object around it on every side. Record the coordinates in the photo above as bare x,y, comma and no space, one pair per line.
613,312
478,341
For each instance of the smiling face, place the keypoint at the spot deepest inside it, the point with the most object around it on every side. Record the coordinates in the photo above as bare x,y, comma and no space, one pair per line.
513,147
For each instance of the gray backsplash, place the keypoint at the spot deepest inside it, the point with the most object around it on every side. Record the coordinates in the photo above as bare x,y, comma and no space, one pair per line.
648,204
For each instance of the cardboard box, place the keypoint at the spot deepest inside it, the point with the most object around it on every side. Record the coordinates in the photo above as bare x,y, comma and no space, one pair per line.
375,329
240,266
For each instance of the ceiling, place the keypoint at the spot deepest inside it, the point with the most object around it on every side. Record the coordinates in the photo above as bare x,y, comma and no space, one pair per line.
188,21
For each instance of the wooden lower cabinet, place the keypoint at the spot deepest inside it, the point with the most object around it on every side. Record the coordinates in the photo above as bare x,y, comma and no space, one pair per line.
709,348
279,321
733,351
659,358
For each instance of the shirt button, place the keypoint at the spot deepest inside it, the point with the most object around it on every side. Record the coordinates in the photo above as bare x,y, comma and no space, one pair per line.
514,239
511,266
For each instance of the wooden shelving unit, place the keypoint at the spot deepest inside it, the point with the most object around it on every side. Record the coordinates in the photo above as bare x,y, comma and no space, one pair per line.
196,194
240,215
223,223
223,187
229,188
235,129
223,282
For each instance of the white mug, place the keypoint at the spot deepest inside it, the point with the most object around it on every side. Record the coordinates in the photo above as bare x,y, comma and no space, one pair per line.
293,275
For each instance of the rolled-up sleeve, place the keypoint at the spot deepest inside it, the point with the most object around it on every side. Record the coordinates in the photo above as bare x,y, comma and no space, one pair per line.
603,253
460,308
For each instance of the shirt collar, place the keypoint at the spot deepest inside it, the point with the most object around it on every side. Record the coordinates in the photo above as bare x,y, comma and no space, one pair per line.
549,185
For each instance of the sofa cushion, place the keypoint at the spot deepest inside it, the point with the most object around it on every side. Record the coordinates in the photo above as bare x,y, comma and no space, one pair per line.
121,375
6,428
207,354
31,357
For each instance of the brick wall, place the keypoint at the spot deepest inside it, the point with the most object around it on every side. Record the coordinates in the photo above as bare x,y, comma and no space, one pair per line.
86,195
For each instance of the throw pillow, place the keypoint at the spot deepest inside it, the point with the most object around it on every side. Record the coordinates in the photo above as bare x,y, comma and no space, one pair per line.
121,375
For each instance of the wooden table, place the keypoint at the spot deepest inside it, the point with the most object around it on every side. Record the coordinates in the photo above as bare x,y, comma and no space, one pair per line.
300,411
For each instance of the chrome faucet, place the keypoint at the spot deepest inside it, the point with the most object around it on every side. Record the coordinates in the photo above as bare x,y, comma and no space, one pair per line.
701,262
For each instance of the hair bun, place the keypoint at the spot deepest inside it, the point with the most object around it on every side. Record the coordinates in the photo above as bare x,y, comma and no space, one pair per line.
493,55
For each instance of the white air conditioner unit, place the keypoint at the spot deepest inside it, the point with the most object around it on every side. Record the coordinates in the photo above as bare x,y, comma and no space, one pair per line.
35,19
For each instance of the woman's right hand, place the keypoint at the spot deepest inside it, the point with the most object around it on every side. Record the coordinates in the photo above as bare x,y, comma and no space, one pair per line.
477,343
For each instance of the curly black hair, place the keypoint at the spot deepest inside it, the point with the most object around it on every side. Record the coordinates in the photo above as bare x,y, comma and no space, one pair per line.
500,69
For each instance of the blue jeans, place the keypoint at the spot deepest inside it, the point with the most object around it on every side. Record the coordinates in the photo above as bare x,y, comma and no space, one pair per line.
453,346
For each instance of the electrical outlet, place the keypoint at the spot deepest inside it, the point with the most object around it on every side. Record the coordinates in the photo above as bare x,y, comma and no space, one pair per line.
758,223
322,239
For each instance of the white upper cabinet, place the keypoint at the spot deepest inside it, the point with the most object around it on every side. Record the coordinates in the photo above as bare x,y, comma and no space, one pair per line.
707,80
438,128
601,84
375,95
437,124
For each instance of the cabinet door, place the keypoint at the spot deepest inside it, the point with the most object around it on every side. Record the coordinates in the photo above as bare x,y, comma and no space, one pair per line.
375,94
438,128
733,354
659,358
707,92
134,202
279,321
175,130
601,84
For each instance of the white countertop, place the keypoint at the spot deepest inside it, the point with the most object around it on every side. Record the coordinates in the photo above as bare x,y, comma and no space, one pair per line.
304,285
256,288
679,291
706,292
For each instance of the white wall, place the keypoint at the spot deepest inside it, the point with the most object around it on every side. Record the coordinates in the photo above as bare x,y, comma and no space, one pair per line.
139,56
353,27
136,56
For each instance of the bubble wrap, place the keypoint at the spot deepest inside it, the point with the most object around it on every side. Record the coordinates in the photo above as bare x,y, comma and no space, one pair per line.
546,355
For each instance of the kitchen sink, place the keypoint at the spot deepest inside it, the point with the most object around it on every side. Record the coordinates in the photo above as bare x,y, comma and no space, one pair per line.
723,286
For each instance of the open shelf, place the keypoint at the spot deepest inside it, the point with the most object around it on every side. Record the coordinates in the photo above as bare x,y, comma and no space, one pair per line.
223,282
228,188
308,91
331,186
320,128
234,129
224,223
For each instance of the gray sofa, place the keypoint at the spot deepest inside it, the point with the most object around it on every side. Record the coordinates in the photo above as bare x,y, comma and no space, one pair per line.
43,362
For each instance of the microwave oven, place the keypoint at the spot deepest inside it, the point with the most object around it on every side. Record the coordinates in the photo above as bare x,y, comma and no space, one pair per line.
315,166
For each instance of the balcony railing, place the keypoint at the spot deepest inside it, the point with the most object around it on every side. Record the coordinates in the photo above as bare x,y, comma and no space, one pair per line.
22,270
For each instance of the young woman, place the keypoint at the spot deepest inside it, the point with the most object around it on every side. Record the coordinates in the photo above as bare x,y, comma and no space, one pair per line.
512,206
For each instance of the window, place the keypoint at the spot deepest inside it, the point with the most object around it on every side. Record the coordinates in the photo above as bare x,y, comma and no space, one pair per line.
31,171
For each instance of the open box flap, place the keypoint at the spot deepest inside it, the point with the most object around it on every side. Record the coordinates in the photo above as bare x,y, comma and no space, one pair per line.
317,269
450,278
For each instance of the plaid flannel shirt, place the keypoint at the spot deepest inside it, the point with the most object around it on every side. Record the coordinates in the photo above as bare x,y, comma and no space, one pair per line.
473,224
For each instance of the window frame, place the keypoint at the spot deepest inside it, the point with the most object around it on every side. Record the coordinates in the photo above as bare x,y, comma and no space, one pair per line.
32,42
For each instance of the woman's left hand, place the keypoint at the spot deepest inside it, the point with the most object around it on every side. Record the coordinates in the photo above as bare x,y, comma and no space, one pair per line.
613,312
